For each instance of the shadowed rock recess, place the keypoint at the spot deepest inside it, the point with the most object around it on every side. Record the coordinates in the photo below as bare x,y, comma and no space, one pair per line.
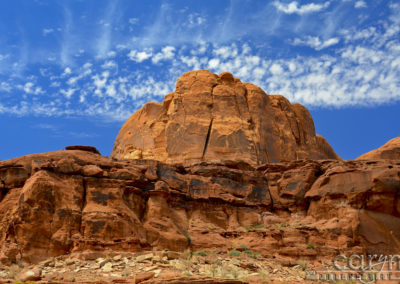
202,172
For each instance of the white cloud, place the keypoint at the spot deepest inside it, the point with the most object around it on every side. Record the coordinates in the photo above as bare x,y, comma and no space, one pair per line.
214,63
105,32
87,65
276,69
45,126
30,88
6,87
226,51
67,71
68,93
360,4
109,64
196,20
363,70
367,33
110,90
121,46
139,56
45,32
55,84
133,21
292,66
72,80
294,8
2,56
315,42
111,53
258,73
100,82
167,53
362,55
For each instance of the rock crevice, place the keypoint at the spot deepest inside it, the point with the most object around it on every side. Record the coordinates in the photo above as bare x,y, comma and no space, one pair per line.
207,139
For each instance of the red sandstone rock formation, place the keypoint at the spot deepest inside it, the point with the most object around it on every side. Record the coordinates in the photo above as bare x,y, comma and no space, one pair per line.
199,175
217,118
72,201
389,151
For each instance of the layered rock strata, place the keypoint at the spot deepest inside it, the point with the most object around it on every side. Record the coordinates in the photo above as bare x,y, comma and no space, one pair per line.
73,201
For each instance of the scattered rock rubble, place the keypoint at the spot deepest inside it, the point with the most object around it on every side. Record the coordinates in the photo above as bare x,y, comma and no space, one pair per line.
236,266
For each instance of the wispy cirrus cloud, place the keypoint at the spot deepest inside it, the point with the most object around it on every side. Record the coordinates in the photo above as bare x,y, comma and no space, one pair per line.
315,42
360,4
46,32
110,74
107,25
295,8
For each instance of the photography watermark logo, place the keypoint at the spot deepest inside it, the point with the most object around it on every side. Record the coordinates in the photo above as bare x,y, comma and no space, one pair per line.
362,268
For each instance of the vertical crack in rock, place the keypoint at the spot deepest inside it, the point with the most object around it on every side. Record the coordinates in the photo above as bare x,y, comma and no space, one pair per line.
212,101
207,138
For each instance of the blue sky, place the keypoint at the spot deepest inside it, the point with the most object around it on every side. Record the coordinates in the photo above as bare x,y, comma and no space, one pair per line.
71,72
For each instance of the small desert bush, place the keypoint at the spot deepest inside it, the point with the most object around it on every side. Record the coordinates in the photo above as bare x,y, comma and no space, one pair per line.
249,252
259,226
201,253
243,246
303,264
310,246
234,253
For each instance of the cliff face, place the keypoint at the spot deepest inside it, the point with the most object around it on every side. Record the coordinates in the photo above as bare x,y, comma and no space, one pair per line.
73,201
218,118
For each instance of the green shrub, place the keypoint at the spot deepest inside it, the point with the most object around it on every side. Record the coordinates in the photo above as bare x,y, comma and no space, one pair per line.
234,253
282,225
259,226
257,255
201,253
248,252
243,246
310,246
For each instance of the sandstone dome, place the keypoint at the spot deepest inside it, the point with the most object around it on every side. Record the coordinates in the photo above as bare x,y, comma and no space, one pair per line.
217,118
